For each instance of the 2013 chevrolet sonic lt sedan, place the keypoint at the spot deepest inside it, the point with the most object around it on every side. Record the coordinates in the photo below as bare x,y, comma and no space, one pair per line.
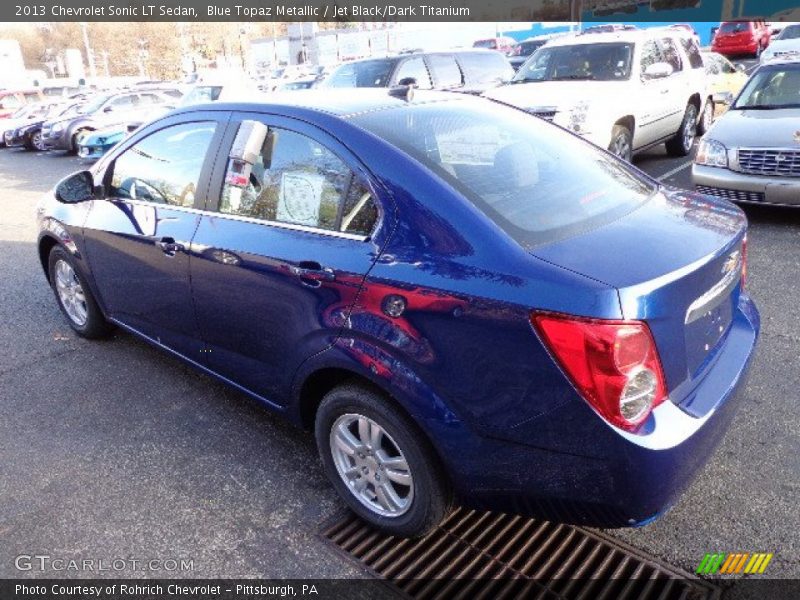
464,302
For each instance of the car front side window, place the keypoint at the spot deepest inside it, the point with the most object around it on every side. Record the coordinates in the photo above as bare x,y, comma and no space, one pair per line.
165,166
297,181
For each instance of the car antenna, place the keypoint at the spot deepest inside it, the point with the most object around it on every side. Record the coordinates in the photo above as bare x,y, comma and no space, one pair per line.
404,89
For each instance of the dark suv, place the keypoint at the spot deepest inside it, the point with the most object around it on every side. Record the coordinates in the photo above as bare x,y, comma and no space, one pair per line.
470,71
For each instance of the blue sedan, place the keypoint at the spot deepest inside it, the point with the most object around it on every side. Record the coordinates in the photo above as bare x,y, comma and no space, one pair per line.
463,302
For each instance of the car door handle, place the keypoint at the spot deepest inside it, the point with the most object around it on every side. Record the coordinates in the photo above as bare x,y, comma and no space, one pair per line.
312,273
169,246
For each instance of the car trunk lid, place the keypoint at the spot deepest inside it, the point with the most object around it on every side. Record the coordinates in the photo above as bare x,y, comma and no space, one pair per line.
676,263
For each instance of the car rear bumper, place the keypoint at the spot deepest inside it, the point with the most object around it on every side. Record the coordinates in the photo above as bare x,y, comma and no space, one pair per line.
740,187
736,49
614,478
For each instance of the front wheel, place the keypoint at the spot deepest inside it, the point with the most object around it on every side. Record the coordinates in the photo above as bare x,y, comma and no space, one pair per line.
74,296
380,463
681,144
621,143
35,142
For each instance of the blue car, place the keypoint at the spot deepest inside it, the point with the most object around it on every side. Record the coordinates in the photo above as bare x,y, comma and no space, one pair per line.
463,302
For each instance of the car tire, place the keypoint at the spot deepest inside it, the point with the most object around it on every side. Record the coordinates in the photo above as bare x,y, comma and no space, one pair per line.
621,143
681,144
368,476
73,144
74,296
35,142
707,118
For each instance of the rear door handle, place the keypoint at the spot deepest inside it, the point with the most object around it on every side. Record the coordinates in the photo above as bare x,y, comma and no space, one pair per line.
169,246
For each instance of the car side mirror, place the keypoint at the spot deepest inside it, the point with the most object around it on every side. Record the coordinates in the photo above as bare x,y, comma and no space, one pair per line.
658,70
725,98
78,187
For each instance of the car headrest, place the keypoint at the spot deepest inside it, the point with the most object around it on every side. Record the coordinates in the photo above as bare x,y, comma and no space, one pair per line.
517,165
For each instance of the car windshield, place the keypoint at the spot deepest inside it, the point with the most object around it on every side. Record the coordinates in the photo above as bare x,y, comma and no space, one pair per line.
734,27
366,73
528,48
772,87
93,105
792,32
600,62
201,93
516,168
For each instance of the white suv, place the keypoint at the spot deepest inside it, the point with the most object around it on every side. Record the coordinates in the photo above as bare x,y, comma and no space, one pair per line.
625,91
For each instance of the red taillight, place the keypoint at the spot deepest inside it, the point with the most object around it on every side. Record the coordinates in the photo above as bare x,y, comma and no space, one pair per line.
613,364
743,280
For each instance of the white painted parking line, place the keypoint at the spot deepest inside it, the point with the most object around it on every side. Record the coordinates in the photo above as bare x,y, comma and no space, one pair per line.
678,169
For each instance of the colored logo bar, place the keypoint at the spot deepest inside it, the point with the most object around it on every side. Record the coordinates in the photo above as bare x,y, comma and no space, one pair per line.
734,563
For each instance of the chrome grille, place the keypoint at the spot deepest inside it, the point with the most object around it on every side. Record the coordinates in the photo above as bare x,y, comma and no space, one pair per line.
765,161
736,195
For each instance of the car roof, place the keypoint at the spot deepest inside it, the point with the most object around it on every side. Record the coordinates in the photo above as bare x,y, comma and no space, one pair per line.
337,102
630,35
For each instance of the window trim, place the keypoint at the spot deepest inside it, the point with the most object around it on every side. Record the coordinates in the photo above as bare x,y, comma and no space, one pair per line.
333,144
202,189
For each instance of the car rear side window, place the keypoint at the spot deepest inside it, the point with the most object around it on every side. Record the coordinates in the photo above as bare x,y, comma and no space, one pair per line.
693,52
536,182
651,54
446,71
298,181
165,166
414,68
485,67
671,54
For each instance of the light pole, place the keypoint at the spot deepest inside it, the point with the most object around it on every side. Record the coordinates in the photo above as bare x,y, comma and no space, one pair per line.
89,55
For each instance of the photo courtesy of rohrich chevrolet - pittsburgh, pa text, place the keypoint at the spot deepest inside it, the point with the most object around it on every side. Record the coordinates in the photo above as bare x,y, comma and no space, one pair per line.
400,299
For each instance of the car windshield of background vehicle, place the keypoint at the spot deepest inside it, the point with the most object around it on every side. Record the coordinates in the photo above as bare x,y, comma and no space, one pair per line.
92,106
772,88
734,27
368,73
792,32
517,169
202,93
598,62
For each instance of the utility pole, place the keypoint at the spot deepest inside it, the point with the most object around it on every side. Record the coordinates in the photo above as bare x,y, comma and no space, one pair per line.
89,55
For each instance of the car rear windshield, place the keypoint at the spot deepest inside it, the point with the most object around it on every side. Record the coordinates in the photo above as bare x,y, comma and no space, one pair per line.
367,73
734,27
537,182
600,62
772,87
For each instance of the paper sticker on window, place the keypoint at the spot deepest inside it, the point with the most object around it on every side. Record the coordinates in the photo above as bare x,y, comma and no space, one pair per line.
300,198
469,146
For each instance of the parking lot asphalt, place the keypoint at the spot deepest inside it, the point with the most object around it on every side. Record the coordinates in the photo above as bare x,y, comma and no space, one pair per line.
115,450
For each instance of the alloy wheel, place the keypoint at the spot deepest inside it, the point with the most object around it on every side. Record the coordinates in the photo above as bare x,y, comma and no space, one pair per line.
372,465
689,128
708,116
70,293
37,141
621,147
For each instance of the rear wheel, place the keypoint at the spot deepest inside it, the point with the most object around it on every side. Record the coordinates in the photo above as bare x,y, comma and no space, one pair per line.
380,463
74,296
621,143
681,144
707,119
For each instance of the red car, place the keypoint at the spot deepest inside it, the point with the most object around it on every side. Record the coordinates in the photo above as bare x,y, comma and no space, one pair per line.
734,38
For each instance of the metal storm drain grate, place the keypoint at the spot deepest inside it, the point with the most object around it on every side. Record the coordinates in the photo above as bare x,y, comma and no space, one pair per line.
477,555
